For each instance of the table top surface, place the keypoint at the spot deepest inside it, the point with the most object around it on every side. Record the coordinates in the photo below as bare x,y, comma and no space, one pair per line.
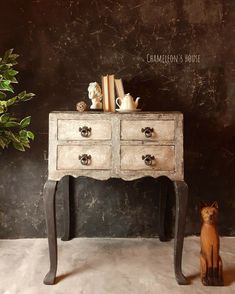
117,113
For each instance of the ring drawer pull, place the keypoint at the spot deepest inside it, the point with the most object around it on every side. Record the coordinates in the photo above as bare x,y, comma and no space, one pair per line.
85,159
147,131
85,131
148,159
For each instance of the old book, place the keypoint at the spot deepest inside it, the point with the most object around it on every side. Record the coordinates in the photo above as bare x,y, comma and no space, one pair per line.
119,88
111,93
105,92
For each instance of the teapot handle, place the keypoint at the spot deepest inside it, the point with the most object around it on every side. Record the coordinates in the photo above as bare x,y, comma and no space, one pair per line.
119,105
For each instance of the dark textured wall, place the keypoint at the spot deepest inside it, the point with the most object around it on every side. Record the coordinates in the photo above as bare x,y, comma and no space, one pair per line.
64,45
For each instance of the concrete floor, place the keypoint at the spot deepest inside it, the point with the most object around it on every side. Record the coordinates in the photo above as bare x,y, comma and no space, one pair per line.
107,266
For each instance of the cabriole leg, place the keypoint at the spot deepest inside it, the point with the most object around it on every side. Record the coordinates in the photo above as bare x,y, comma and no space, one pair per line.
181,193
163,193
49,205
66,200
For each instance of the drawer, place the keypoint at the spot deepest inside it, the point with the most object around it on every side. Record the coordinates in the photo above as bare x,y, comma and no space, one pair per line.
71,129
70,157
134,158
160,130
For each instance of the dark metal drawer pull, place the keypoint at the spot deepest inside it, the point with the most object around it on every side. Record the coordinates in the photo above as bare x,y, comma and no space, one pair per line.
85,131
147,131
85,159
148,159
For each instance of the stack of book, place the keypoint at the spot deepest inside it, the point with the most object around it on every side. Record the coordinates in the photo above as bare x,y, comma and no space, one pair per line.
109,83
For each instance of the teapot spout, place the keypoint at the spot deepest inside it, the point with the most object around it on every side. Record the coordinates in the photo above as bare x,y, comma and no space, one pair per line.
137,101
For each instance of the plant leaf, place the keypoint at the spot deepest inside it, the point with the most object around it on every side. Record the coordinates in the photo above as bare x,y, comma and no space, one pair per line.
11,136
28,96
25,122
18,146
14,80
4,118
30,135
11,124
2,143
11,101
2,109
11,72
11,130
7,55
6,86
2,96
23,133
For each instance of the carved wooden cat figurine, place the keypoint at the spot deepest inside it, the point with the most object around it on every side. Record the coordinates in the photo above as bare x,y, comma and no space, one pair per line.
210,261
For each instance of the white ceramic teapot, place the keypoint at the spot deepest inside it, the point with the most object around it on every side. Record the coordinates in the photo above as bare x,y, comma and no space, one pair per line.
127,102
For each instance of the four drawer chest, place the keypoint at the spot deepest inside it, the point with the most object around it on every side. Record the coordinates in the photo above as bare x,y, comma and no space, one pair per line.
115,145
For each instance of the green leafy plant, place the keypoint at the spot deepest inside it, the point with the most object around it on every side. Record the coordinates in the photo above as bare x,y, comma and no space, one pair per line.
13,131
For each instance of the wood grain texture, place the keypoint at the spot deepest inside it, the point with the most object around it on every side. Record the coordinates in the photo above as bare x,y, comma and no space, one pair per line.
116,145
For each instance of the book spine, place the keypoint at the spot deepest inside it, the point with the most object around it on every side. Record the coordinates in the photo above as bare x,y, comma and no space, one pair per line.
119,88
103,100
111,93
105,90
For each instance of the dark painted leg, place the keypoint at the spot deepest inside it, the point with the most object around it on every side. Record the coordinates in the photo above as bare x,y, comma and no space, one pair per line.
49,205
66,199
181,193
163,192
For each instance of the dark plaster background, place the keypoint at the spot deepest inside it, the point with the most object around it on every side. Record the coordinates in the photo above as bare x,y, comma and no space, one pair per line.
64,45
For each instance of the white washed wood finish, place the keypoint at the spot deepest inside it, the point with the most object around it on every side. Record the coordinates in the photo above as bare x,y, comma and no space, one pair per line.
116,145
131,158
164,130
68,129
68,157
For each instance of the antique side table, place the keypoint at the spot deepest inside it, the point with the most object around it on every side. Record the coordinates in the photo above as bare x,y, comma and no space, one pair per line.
105,145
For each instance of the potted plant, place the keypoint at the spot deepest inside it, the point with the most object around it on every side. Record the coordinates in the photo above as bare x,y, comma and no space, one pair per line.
13,131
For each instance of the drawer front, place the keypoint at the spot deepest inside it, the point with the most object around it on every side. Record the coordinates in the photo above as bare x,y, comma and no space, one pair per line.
152,130
71,157
160,158
69,129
